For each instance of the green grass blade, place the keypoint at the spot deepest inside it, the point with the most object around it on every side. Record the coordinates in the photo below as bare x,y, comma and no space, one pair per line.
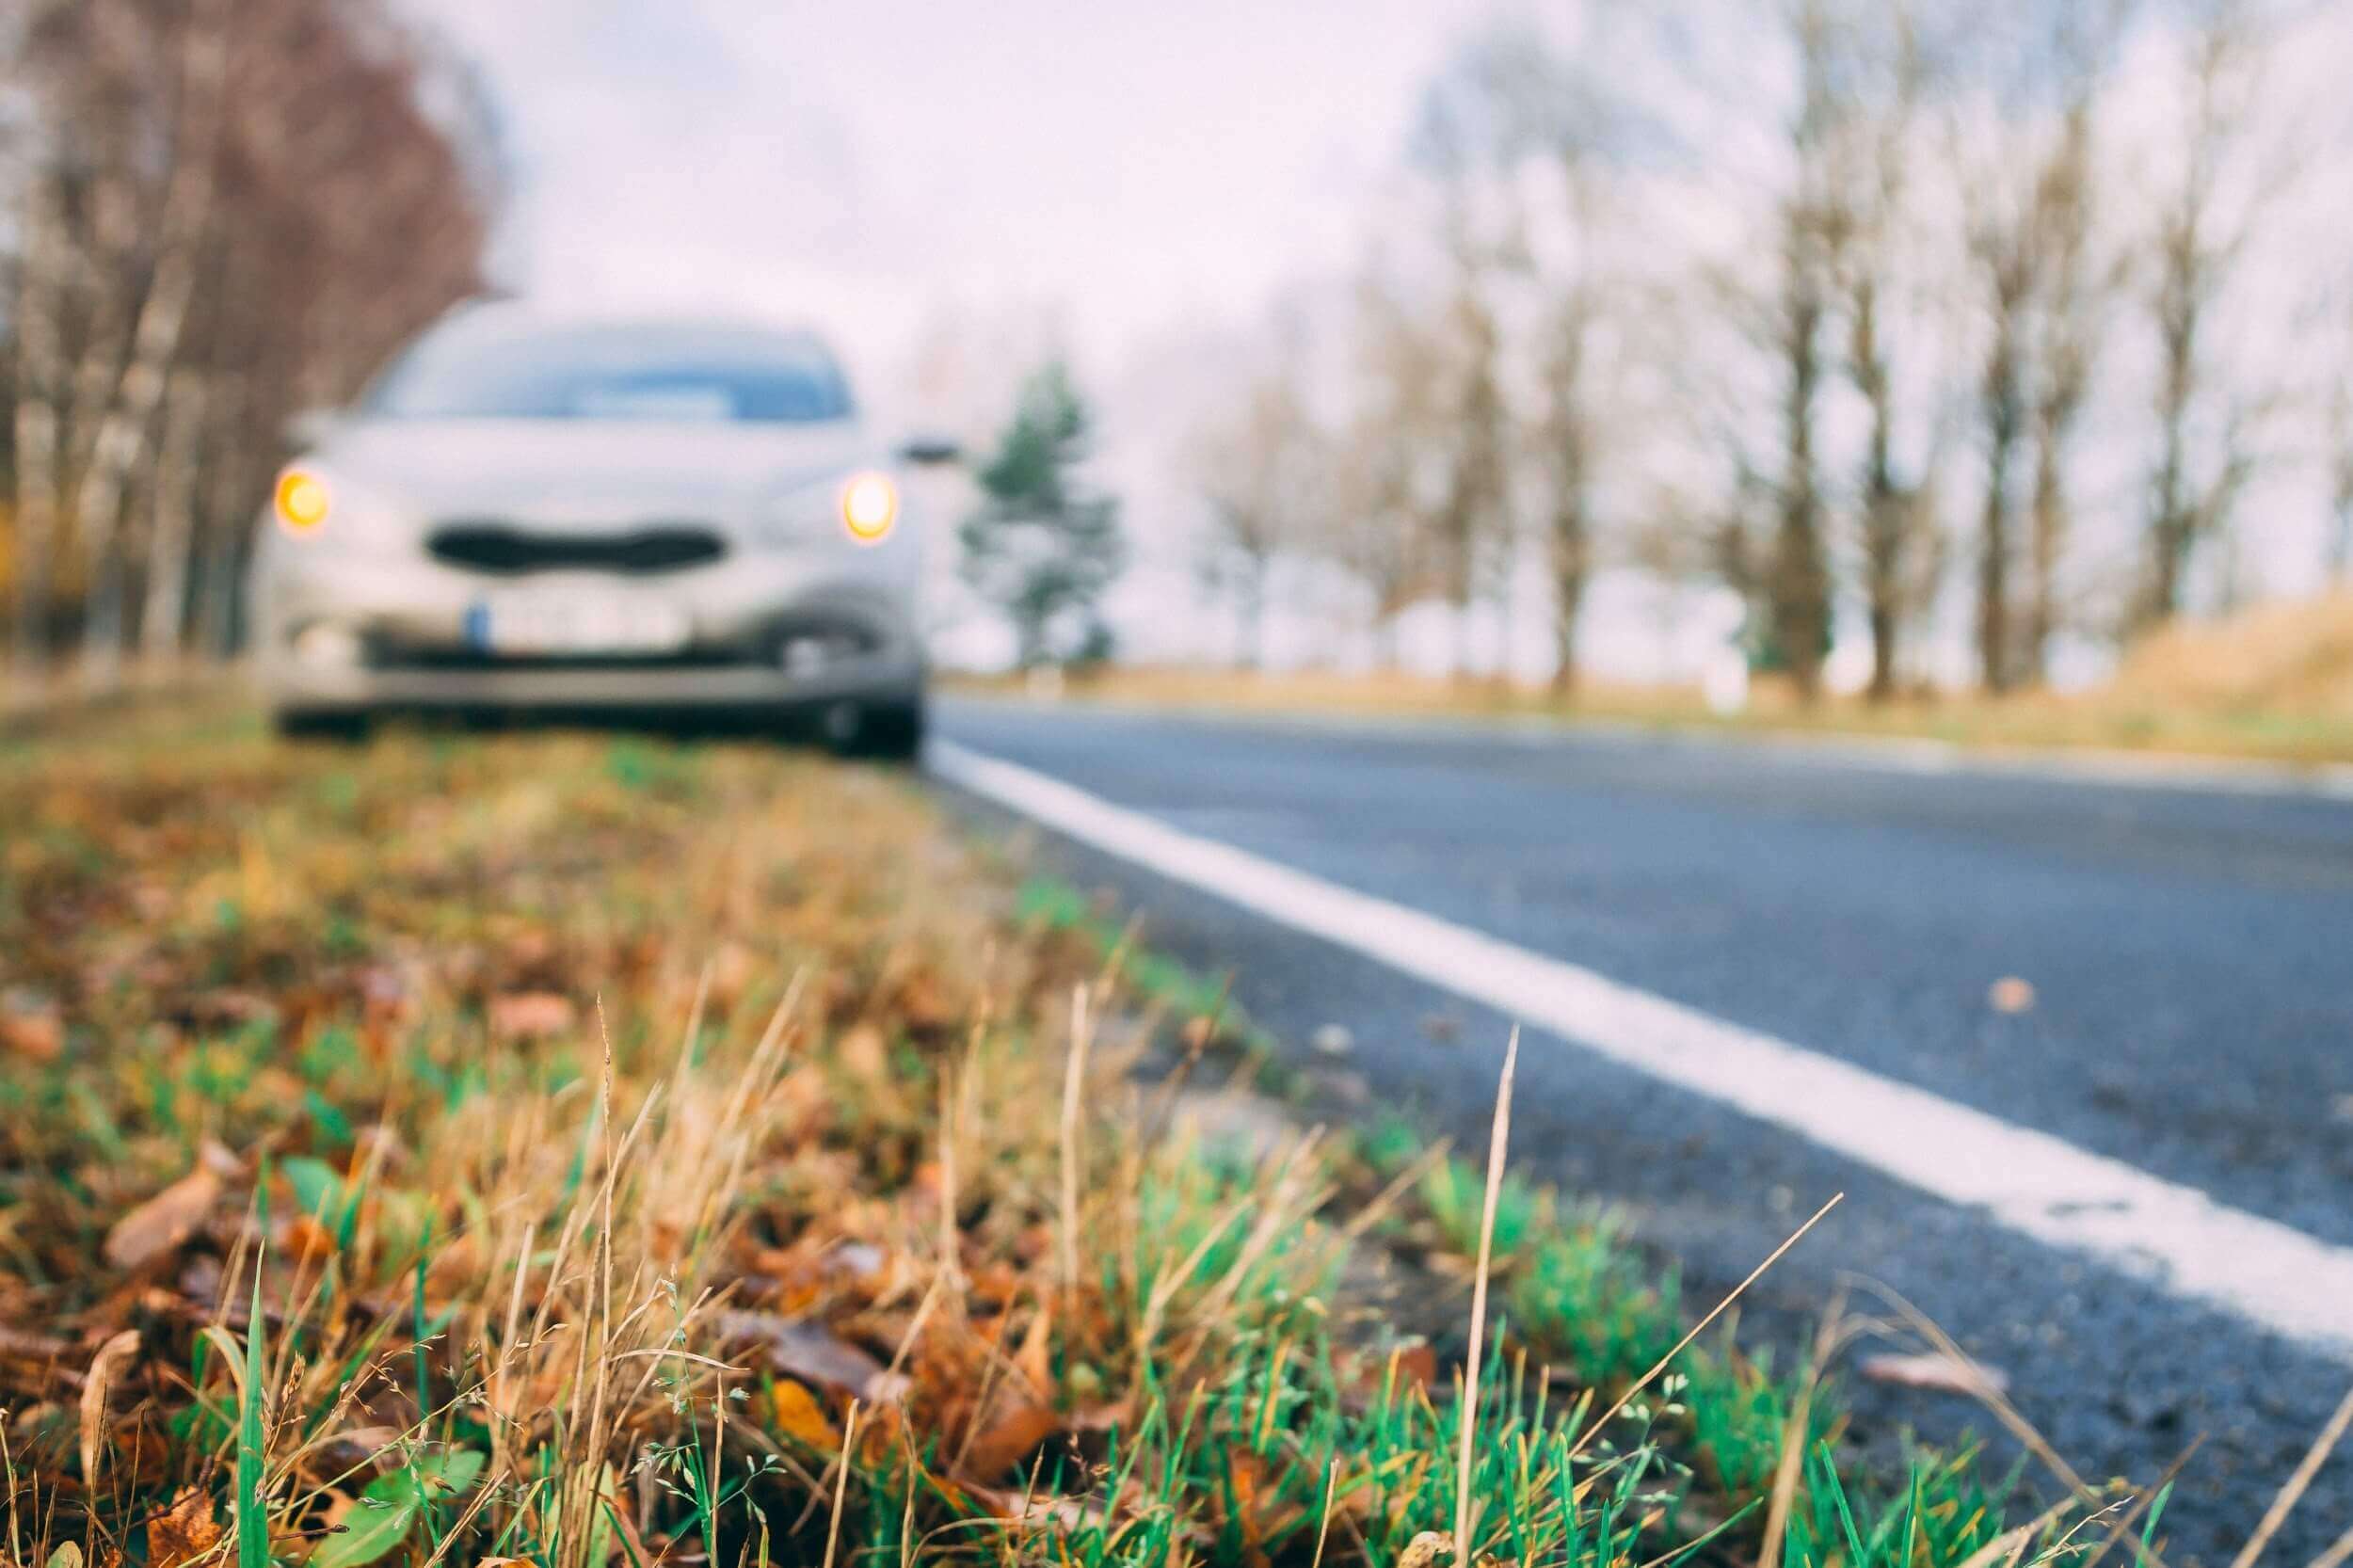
252,1523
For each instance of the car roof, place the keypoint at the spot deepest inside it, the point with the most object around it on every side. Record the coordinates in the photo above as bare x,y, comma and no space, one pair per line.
494,319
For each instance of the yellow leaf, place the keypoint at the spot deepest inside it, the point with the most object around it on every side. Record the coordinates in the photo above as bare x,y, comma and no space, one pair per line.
796,1413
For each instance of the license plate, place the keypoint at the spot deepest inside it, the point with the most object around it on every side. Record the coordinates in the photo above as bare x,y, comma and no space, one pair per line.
575,623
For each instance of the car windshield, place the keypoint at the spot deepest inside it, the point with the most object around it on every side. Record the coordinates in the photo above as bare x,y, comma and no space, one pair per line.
613,373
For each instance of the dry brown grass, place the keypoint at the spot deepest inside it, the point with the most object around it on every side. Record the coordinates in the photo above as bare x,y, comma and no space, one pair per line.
2273,684
608,1153
2295,657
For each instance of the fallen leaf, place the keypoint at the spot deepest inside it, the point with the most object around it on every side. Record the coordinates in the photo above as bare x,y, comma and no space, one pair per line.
1430,1546
1008,1440
306,1241
2011,994
96,1384
165,1221
25,1345
1246,1477
529,1015
231,1006
1035,1356
1936,1371
184,1532
357,1445
809,1351
1394,1376
31,1026
863,1055
795,1413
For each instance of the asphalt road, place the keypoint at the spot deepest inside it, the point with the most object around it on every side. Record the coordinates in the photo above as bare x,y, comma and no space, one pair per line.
2190,950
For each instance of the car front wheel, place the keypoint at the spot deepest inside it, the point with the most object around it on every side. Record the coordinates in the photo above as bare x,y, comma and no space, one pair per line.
314,726
889,731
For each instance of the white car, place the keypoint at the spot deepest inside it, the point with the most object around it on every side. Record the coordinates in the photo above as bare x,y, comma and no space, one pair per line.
663,519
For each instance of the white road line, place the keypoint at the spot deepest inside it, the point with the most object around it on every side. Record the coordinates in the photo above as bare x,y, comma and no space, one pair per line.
2269,1273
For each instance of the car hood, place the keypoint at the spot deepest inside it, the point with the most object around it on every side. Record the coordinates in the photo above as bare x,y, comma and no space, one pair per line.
585,473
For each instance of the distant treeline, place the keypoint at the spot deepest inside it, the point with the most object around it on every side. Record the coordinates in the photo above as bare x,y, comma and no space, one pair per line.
218,213
1909,320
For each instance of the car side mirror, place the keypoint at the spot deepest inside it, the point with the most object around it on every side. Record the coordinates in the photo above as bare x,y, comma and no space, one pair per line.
311,427
930,450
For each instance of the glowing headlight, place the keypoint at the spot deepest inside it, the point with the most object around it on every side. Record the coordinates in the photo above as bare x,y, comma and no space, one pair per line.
870,504
302,501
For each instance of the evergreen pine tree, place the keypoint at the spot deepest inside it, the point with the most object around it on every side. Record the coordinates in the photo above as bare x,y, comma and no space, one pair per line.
1041,546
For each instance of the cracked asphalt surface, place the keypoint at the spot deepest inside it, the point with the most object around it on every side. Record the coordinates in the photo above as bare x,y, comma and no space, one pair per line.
2190,949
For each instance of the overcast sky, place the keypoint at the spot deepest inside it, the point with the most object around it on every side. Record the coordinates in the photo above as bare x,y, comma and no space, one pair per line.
1134,180
869,167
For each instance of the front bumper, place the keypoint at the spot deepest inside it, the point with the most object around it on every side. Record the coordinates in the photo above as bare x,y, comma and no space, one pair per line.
354,634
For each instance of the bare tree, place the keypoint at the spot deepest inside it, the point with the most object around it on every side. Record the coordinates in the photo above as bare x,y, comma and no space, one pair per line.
248,200
1465,133
2025,149
2003,259
1262,475
1580,132
2198,244
130,408
102,58
1390,465
172,522
1796,572
1476,510
2077,290
1569,441
1871,225
1380,532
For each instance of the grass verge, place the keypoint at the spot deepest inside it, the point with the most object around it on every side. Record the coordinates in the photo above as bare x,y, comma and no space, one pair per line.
588,1151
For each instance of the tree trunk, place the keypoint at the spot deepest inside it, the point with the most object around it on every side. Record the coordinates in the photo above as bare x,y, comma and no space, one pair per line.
1571,546
221,592
2172,525
113,34
1253,612
164,617
1885,524
1507,607
1569,589
1799,590
40,370
1463,660
228,472
2048,522
2002,418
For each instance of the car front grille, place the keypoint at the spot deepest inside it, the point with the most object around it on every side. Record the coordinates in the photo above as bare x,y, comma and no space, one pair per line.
490,545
